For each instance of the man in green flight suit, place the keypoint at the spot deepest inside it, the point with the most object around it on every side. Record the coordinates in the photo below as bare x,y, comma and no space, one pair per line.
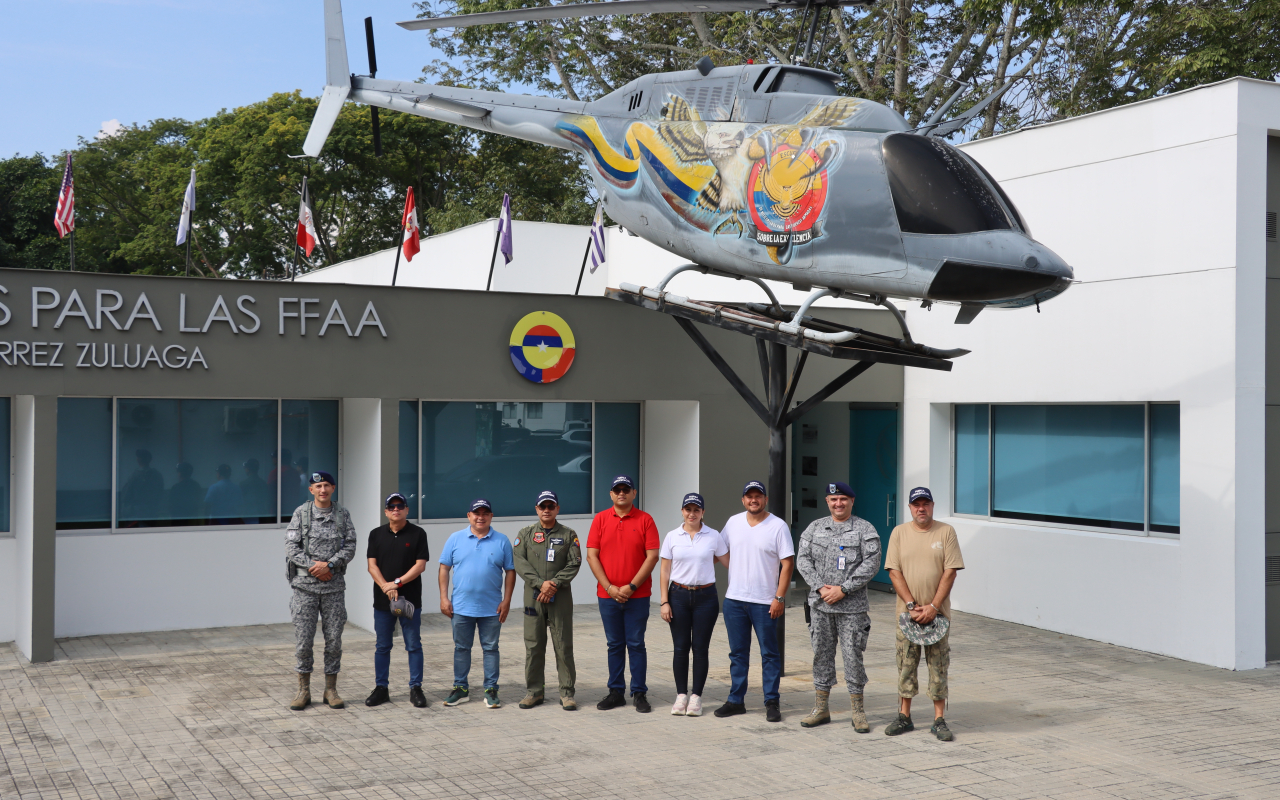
548,556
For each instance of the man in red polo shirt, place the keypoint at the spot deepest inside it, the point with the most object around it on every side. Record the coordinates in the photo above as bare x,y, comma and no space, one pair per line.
622,550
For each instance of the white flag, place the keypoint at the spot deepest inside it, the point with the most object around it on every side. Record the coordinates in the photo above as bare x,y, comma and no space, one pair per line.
188,205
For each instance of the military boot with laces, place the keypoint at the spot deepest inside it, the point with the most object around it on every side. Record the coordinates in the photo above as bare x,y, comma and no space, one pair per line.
859,714
331,698
303,698
821,714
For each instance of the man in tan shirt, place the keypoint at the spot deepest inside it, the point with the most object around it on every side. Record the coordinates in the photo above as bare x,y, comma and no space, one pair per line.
923,558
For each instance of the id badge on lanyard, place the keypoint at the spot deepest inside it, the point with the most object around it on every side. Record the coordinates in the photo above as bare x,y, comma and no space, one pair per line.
551,555
840,561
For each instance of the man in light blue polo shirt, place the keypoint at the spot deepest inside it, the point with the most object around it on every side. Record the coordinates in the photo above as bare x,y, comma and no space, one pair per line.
484,577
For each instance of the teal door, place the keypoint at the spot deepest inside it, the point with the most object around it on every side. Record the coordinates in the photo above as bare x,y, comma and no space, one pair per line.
873,471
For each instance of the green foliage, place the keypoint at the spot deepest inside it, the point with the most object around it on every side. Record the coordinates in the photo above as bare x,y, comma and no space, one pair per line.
129,190
28,197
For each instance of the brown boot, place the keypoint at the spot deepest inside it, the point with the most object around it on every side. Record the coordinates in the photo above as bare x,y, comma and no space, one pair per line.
859,714
820,715
331,698
303,698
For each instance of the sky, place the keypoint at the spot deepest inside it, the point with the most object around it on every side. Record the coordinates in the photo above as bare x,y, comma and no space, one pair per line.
74,65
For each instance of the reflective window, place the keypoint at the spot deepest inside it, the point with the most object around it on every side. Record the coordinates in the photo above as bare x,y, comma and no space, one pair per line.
1108,466
1165,472
972,455
84,462
617,448
308,443
500,452
936,189
193,462
407,482
6,466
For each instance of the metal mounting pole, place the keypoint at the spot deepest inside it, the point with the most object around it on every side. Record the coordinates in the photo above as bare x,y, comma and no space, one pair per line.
777,480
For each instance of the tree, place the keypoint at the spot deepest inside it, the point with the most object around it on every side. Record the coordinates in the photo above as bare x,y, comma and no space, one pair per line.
28,197
129,189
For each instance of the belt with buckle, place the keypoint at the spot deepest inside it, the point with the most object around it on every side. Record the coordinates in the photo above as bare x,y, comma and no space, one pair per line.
691,588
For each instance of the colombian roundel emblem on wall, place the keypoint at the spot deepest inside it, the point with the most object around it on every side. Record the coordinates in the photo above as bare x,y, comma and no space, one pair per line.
542,347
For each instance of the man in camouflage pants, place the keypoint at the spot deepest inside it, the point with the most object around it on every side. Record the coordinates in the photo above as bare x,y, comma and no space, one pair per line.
838,556
319,544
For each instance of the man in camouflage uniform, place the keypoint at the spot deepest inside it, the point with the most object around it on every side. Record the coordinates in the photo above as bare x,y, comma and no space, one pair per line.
838,556
319,544
548,556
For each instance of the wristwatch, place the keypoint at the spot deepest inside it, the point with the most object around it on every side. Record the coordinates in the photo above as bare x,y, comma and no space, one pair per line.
779,599
634,588
911,606
396,581
330,565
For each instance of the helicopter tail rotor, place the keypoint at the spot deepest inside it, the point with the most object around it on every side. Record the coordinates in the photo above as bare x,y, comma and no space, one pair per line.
373,73
337,79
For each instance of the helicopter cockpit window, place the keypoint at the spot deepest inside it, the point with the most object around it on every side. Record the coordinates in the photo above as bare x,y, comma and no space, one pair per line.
797,82
1017,217
936,190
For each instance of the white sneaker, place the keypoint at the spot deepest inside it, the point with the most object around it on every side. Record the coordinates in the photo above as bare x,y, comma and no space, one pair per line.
694,708
679,706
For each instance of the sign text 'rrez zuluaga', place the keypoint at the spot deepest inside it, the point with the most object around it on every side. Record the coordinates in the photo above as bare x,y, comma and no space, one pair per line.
107,307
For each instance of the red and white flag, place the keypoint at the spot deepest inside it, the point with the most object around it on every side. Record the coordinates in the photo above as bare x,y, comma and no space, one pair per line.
409,224
64,218
306,223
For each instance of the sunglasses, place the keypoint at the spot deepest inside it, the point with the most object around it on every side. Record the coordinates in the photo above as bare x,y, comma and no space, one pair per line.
396,506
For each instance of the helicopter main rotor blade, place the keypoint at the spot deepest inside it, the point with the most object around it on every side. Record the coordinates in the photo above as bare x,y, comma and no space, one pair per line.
612,8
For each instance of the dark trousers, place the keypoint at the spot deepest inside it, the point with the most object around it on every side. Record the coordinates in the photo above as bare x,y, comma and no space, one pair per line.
740,619
624,627
384,627
693,618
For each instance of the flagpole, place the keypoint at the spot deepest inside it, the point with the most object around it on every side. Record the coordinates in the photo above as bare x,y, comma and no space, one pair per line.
73,249
399,248
583,271
293,273
188,244
494,258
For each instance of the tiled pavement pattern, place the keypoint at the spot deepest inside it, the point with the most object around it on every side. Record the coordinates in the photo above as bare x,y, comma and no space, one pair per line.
203,714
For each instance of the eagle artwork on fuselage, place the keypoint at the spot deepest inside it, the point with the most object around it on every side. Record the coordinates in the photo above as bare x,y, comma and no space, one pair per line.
727,178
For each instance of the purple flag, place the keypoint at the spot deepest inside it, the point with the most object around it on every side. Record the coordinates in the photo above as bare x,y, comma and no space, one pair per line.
597,240
504,228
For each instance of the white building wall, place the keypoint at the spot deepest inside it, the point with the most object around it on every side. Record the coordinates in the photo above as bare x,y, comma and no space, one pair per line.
1147,203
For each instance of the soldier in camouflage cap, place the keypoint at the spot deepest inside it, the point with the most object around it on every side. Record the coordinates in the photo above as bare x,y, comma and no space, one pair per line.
838,556
319,543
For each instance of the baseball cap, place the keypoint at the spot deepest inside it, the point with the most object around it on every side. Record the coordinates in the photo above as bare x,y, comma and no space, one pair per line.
480,503
840,488
923,634
395,496
920,492
623,480
693,498
757,485
402,608
322,477
545,496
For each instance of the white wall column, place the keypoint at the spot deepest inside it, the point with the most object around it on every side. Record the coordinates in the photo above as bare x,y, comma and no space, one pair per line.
368,455
670,458
35,450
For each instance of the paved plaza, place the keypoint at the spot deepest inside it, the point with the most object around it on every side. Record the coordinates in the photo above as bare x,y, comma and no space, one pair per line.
203,714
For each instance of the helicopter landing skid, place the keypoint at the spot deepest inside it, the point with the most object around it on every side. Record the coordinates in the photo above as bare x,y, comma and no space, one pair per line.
768,323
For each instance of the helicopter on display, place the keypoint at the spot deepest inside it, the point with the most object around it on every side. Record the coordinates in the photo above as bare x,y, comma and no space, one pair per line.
755,171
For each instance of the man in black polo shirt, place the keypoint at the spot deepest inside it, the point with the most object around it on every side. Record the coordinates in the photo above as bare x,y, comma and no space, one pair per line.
397,556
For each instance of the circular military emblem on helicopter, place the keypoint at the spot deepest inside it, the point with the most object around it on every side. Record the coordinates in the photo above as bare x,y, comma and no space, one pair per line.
788,191
542,347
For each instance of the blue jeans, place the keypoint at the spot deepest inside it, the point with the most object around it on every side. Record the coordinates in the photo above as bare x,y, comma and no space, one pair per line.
624,627
693,618
739,619
464,635
384,625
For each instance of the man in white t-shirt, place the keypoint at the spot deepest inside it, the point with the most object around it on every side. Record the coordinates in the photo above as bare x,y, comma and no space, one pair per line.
761,557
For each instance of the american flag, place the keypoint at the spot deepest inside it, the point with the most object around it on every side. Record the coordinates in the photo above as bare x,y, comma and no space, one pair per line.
64,219
597,240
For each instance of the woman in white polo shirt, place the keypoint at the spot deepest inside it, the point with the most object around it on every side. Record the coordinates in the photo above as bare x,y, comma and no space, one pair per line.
689,600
